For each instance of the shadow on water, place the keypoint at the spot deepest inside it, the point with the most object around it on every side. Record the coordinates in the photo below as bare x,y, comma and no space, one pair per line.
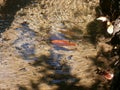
104,61
8,12
110,8
52,75
61,81
97,29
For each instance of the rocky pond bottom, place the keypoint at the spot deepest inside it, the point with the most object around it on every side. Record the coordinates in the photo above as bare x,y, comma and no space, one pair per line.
61,50
71,61
61,53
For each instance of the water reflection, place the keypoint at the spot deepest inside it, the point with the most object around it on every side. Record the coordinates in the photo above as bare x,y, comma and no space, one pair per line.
25,43
58,54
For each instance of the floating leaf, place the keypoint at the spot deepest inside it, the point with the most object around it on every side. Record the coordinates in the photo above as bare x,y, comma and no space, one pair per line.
110,29
108,76
63,43
104,73
102,18
109,23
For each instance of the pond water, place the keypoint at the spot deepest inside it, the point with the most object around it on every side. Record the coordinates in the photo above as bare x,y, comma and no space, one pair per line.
25,43
59,53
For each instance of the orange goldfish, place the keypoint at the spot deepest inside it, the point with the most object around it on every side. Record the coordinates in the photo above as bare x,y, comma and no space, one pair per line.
63,43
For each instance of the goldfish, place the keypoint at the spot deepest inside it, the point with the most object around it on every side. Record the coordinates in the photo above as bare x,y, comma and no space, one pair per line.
63,43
